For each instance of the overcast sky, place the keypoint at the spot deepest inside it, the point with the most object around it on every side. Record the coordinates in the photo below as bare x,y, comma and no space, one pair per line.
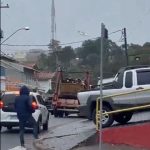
72,16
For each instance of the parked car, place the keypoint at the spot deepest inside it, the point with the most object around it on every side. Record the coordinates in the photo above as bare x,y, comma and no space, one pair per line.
8,116
128,79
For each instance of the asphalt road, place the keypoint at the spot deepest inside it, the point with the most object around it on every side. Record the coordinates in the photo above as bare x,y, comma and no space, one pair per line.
10,138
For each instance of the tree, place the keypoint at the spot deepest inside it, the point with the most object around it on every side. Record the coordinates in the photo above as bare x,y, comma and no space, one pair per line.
66,55
42,62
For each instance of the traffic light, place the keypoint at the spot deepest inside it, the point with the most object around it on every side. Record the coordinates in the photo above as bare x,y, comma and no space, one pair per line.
106,33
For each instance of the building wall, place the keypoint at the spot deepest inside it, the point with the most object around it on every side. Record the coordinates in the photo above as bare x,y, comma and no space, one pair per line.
45,85
15,75
2,79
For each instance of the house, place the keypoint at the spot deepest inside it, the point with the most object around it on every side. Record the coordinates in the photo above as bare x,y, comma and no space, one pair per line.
13,74
44,80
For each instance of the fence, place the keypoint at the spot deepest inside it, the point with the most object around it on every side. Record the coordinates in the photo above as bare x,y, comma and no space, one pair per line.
127,109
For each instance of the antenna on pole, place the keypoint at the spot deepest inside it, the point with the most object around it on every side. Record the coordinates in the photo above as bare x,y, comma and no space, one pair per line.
54,44
53,20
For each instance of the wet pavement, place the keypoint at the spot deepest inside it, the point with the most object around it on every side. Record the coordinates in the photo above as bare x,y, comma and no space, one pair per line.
12,136
67,136
74,135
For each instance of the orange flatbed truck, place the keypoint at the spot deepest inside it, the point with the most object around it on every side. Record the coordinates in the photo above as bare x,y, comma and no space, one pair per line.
64,101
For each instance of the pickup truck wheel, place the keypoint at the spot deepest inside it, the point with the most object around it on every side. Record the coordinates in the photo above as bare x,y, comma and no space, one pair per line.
123,118
107,120
94,116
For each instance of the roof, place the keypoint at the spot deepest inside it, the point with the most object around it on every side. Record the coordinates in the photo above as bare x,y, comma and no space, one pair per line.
134,67
31,65
44,75
6,57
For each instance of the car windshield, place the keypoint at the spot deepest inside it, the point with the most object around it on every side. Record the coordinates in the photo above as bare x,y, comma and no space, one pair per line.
8,99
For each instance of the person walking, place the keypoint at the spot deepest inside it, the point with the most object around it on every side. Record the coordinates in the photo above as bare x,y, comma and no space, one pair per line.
23,107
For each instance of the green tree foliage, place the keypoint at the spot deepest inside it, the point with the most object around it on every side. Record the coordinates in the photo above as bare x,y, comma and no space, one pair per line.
65,56
42,63
88,55
139,55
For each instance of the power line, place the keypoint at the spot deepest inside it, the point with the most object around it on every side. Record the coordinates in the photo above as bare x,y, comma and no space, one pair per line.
23,45
70,43
61,44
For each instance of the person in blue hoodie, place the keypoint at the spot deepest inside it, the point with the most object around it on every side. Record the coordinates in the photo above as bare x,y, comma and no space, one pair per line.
24,113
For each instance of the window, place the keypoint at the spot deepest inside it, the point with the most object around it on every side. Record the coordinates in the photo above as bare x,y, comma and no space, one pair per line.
40,99
143,77
119,80
128,80
2,71
9,99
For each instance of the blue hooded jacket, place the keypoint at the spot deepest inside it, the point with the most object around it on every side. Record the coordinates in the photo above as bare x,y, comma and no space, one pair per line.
22,104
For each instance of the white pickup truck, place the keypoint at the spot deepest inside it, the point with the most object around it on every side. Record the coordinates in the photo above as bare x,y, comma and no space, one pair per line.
134,80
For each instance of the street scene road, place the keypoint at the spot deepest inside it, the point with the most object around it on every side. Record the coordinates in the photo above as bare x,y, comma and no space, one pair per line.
59,132
75,74
12,136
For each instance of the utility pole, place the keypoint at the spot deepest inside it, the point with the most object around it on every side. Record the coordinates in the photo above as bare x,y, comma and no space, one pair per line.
101,81
125,46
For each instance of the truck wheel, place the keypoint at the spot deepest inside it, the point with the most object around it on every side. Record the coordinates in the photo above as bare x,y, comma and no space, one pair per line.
55,112
9,127
61,114
66,114
123,118
107,120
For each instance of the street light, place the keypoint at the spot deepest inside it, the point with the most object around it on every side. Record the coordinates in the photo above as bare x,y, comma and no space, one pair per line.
82,33
25,28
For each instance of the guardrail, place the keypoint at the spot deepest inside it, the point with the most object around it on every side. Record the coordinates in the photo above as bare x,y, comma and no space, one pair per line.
98,116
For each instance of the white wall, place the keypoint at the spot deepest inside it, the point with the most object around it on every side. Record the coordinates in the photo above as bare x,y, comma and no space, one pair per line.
45,85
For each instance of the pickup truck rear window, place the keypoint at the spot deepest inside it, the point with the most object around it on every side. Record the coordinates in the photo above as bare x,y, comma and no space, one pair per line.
143,77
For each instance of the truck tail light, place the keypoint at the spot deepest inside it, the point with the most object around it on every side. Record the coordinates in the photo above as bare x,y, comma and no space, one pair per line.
1,104
35,105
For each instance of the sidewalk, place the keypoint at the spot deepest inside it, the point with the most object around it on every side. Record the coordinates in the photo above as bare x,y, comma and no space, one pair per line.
81,135
66,137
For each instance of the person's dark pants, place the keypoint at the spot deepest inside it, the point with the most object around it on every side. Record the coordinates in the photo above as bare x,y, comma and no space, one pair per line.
22,124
